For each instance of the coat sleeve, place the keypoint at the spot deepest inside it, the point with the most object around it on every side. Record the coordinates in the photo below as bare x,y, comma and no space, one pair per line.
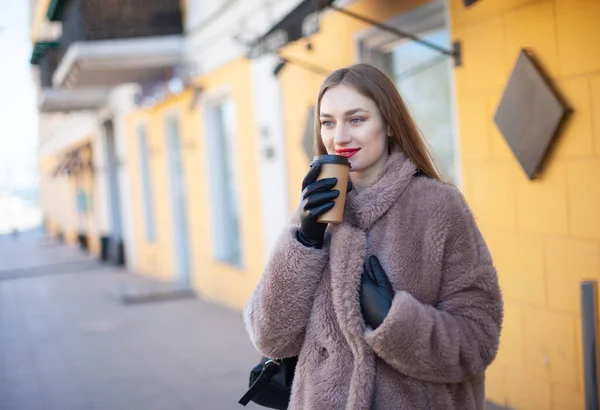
458,337
277,312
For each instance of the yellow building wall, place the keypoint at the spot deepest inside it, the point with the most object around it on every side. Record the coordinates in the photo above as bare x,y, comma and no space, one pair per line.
544,234
66,208
216,281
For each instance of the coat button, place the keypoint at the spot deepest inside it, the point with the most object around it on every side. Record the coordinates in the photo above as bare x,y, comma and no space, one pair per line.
323,353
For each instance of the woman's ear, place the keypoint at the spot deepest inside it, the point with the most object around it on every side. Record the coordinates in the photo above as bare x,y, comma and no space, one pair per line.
390,132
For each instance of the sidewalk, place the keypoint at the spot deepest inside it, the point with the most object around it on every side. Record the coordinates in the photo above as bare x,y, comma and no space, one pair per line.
66,341
32,249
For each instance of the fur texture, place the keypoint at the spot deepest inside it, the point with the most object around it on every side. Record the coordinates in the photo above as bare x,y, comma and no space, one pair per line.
442,332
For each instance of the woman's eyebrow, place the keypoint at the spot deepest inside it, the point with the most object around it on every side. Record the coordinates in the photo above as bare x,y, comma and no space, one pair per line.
347,113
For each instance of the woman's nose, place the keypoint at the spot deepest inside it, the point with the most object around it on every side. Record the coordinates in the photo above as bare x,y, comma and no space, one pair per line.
341,135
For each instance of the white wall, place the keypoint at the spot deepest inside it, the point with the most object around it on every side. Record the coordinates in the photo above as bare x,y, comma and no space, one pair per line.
272,164
59,131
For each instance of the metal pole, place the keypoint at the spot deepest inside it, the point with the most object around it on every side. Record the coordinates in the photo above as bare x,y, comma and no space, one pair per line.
589,326
307,66
399,33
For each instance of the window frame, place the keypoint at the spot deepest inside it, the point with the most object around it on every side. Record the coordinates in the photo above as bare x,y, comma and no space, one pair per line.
145,170
372,43
222,251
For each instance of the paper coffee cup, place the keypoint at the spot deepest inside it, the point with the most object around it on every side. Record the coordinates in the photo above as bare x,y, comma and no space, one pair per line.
335,166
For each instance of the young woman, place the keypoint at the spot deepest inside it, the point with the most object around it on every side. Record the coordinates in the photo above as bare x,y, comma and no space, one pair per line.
398,307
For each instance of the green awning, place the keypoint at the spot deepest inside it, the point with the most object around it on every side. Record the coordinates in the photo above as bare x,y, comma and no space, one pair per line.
55,10
39,49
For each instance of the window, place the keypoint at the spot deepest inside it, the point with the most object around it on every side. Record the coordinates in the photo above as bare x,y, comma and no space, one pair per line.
423,78
175,166
83,202
223,182
146,183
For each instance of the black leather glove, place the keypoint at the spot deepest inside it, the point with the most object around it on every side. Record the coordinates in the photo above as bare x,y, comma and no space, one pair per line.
317,198
376,293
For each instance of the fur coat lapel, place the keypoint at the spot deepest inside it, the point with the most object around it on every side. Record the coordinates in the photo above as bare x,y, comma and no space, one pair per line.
346,269
346,266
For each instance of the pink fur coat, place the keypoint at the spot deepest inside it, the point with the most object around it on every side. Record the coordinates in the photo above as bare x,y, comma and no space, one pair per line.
442,331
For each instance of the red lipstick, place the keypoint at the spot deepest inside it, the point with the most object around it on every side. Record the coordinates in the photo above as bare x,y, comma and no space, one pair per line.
347,152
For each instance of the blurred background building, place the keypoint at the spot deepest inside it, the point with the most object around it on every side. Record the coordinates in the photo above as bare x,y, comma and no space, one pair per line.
174,136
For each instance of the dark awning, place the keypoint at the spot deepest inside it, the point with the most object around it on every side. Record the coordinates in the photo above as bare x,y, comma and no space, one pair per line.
39,49
55,10
300,22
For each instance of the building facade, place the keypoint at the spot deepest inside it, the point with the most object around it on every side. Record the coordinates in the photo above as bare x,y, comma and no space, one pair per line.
215,151
89,59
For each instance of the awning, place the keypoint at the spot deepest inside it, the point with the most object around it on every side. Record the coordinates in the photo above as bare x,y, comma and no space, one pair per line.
39,49
55,10
300,22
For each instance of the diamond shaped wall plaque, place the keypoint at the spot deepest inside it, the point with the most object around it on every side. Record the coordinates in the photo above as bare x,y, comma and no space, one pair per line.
529,114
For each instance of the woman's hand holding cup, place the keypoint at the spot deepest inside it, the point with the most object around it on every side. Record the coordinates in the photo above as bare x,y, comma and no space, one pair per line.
324,190
318,197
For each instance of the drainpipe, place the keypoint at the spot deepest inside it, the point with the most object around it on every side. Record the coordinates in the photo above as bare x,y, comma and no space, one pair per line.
589,326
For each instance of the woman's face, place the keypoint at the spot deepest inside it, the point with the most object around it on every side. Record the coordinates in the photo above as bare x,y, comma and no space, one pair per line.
352,126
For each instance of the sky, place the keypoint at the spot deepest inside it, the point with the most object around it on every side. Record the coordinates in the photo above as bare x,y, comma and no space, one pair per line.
18,113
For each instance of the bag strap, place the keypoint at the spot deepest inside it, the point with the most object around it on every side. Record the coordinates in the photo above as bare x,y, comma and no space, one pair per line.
268,371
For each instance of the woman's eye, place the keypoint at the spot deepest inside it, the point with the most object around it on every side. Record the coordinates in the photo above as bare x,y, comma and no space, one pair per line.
356,120
327,123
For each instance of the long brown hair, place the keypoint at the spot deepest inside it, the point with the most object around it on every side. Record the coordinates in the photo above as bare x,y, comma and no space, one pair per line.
374,84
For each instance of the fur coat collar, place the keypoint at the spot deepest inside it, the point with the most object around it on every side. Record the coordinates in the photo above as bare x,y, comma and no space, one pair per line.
364,208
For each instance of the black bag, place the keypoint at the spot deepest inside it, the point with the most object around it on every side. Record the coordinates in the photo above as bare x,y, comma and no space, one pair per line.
271,383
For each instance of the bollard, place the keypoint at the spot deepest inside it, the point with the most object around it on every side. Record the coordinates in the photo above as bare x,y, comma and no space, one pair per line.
589,327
